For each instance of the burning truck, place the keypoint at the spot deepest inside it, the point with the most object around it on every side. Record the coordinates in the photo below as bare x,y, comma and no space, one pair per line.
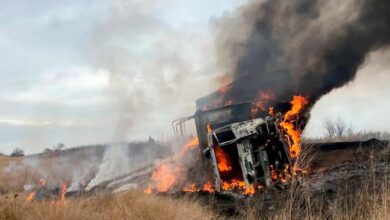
248,145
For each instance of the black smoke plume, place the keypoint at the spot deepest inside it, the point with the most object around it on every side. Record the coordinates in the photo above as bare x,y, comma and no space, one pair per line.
305,47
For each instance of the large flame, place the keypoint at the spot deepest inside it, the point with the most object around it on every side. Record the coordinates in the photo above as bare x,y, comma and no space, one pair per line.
288,124
223,160
165,177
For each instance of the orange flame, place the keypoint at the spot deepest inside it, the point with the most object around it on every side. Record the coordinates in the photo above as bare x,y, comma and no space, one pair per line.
274,176
298,103
148,190
31,196
192,144
250,191
63,191
236,184
191,188
256,108
223,87
208,187
297,169
165,177
223,160
267,95
260,105
233,184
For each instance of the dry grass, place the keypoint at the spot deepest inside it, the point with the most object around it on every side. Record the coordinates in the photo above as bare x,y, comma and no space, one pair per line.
129,205
371,201
16,172
363,205
11,181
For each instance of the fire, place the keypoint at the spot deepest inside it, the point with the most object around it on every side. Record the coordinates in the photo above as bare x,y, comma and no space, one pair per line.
191,188
165,177
63,191
192,144
260,105
297,169
232,184
274,175
298,103
223,81
148,191
257,107
208,187
236,184
223,160
61,194
31,196
250,190
267,95
224,165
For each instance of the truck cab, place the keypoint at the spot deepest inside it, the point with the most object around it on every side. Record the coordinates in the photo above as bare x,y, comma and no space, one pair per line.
252,149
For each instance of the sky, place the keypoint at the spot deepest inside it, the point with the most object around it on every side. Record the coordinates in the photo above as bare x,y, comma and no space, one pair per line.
84,72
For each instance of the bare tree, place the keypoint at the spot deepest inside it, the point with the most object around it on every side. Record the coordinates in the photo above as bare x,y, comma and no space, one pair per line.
337,128
330,128
340,127
59,147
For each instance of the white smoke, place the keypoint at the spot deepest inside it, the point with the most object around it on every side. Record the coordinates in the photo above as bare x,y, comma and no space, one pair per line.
115,163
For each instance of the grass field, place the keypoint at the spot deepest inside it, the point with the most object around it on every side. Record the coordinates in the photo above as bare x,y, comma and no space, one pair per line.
371,201
128,205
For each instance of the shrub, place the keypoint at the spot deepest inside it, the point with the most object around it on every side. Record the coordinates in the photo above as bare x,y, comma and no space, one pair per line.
17,152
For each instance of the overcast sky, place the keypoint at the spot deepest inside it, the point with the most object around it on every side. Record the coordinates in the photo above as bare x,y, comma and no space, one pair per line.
85,72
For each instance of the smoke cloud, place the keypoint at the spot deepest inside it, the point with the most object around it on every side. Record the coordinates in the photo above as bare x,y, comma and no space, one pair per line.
306,47
148,62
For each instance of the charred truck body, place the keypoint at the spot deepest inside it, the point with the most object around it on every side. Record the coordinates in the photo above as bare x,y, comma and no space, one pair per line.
242,148
242,142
